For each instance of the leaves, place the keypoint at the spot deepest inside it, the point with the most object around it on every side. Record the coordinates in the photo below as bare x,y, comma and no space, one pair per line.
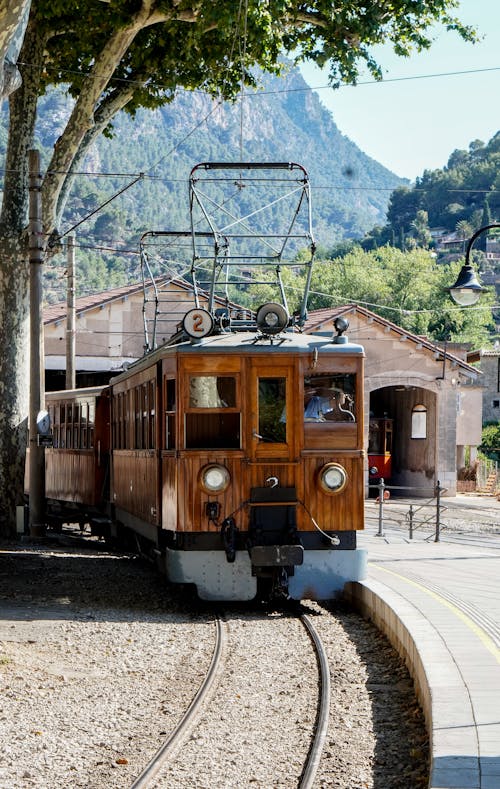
407,288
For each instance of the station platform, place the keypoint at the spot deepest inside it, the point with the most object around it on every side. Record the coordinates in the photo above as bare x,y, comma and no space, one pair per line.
439,605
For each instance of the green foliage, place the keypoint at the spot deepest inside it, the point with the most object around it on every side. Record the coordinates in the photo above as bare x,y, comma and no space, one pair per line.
490,442
213,45
407,288
463,196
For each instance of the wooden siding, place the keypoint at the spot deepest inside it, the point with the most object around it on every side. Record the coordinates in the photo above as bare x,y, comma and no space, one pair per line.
135,487
341,512
72,475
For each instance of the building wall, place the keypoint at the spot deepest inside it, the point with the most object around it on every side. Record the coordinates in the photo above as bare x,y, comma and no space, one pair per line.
115,329
490,367
411,373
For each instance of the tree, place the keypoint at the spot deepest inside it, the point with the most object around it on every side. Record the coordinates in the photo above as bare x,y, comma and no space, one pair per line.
490,443
464,230
408,288
120,55
13,19
419,229
404,204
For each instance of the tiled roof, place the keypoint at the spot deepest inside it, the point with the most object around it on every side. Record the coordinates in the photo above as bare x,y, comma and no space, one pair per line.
317,318
57,312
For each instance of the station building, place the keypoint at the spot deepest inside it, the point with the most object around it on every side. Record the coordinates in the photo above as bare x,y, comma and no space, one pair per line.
431,396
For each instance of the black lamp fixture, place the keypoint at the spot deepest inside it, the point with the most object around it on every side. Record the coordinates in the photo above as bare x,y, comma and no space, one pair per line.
466,291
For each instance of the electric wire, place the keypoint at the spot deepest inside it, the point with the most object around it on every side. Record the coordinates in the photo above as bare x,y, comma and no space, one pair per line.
258,93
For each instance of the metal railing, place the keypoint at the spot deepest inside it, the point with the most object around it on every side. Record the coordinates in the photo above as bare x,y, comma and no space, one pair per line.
425,514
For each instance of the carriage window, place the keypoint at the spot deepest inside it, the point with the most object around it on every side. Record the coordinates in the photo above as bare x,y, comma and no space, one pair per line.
54,421
272,410
419,421
91,418
84,425
212,419
169,399
212,391
144,396
330,398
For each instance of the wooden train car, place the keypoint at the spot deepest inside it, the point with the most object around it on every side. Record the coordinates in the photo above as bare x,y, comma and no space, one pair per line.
77,462
239,459
236,447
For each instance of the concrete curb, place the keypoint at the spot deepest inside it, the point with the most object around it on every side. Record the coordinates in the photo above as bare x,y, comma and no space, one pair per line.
451,726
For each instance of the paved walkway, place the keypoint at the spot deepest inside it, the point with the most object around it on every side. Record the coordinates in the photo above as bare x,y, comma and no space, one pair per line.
439,603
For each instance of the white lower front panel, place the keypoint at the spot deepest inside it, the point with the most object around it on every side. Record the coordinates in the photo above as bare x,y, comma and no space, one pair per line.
323,574
214,576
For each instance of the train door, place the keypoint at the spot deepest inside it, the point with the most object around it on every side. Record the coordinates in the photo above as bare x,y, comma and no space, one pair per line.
272,412
275,467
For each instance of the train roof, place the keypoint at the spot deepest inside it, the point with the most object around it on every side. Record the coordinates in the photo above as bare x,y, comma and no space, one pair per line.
250,343
89,391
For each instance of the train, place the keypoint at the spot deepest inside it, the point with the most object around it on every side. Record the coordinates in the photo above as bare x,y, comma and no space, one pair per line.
232,454
380,430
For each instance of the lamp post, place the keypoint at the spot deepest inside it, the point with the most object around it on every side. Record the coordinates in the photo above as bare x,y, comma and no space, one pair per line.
467,290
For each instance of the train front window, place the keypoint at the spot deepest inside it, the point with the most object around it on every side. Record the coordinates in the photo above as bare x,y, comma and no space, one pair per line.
212,391
213,419
272,410
330,397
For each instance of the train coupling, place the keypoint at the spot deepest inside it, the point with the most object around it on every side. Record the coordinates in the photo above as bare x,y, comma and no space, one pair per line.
276,555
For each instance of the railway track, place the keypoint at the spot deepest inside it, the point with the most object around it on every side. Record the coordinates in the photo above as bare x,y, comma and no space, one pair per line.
127,656
188,720
193,714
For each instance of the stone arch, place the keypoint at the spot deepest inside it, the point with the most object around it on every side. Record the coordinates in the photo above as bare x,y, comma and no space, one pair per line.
415,462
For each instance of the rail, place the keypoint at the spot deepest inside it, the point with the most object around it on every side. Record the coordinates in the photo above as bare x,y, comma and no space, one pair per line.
175,739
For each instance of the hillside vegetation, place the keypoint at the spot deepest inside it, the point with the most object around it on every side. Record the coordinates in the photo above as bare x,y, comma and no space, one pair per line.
462,197
283,120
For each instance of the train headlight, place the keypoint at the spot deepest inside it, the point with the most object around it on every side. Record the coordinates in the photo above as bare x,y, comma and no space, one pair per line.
373,471
332,478
214,478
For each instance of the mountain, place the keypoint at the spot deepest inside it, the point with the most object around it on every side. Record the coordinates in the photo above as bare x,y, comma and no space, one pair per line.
283,120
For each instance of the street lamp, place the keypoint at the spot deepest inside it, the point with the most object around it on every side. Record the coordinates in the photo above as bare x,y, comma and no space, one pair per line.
467,290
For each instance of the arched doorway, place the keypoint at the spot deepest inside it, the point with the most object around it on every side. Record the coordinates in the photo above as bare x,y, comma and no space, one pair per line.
406,417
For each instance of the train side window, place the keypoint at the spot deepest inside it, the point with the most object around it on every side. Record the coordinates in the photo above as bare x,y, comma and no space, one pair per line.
54,421
272,410
76,426
91,423
170,409
419,421
137,417
119,421
151,415
213,420
330,397
84,425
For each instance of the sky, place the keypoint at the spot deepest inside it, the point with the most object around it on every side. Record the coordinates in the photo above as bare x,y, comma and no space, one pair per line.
415,124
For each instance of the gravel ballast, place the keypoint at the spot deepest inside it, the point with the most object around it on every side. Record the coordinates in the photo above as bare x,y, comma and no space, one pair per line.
100,658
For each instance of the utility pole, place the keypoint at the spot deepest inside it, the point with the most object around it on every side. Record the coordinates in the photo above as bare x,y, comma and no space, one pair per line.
37,457
71,316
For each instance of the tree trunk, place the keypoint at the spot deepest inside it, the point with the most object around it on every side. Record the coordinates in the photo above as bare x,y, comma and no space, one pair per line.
14,293
14,382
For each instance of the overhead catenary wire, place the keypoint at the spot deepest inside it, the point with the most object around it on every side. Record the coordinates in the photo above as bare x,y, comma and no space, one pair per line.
258,93
150,174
